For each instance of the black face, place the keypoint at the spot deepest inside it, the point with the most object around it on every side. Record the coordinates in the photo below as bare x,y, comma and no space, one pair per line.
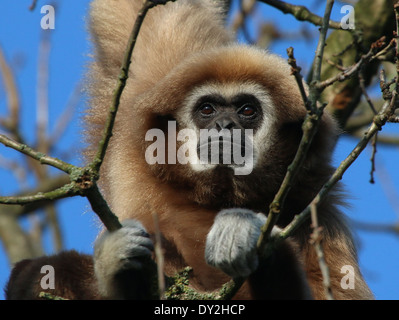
220,120
243,111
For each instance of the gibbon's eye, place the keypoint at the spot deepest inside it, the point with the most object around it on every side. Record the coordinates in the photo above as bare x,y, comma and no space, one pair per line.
207,109
247,110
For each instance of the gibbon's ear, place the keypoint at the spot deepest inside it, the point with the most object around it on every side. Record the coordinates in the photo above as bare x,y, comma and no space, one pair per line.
110,24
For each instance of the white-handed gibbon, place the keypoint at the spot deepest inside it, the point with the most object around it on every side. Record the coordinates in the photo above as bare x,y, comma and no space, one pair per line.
187,69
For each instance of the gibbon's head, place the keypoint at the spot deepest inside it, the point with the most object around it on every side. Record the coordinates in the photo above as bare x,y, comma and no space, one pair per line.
232,122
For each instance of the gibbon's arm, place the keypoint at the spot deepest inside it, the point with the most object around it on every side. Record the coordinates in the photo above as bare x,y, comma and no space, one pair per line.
116,272
292,271
231,247
121,262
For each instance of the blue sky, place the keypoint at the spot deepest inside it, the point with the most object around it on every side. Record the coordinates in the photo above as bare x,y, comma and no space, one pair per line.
19,38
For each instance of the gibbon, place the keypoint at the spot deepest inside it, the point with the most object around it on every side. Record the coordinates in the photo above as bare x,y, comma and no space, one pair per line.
187,70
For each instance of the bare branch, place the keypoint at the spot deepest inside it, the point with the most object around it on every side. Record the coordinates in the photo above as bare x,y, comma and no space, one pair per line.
373,227
316,240
246,8
101,208
354,70
372,159
68,190
378,122
300,13
159,257
41,157
66,117
13,104
309,128
365,94
45,186
33,5
42,107
374,19
296,72
16,242
316,74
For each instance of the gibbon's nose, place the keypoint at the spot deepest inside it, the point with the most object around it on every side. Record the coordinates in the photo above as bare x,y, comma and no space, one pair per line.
225,123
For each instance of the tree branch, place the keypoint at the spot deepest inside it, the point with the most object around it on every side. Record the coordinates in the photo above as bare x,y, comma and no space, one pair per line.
309,129
316,239
13,103
354,69
300,13
296,72
378,122
41,157
33,5
374,19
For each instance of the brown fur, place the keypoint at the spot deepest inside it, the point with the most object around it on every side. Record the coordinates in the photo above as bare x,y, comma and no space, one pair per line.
183,45
77,282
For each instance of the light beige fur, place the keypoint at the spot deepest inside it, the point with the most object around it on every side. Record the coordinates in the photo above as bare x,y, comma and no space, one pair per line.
181,47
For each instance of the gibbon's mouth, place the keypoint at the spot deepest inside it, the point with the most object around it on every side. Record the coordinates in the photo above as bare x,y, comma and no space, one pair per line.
224,152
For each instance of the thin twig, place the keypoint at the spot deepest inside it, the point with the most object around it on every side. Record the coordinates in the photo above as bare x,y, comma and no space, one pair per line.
365,93
41,157
18,171
394,119
315,240
378,122
316,75
385,139
338,66
384,85
381,55
101,208
309,129
159,257
45,186
373,227
301,13
352,70
33,5
246,8
65,118
13,103
42,106
296,72
65,191
372,158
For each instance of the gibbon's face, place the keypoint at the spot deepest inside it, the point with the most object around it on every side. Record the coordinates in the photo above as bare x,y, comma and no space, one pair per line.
232,124
237,116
